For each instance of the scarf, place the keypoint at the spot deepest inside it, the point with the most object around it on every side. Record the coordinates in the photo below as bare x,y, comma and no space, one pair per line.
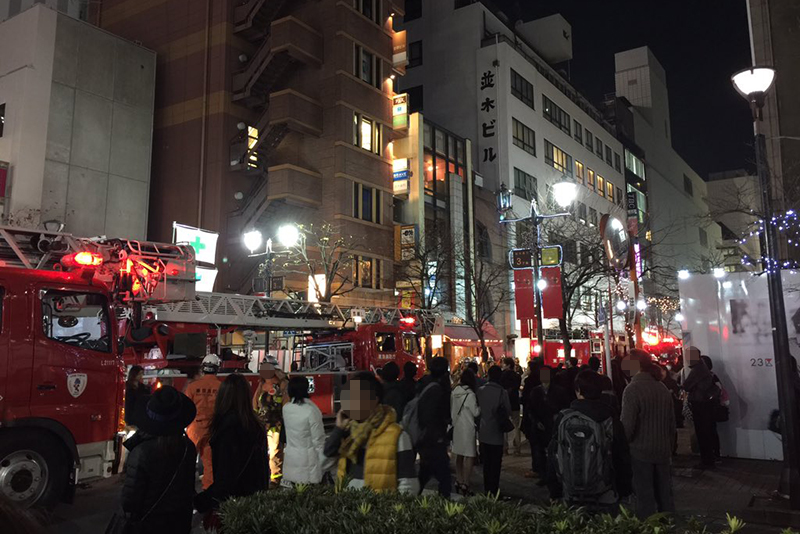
360,432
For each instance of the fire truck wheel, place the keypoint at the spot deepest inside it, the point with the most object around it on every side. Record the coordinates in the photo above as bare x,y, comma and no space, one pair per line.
33,468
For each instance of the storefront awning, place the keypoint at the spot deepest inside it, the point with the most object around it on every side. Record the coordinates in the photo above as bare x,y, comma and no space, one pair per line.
465,336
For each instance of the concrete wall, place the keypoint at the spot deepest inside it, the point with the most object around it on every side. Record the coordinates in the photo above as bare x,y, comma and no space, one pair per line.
78,136
74,8
97,162
26,64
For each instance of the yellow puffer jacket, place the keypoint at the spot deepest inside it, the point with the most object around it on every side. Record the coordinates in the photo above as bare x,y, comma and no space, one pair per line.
380,460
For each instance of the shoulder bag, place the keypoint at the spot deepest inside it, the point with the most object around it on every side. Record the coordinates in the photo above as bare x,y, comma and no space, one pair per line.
504,422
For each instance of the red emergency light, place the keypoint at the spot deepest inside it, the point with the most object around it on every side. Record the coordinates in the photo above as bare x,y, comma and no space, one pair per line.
82,259
408,321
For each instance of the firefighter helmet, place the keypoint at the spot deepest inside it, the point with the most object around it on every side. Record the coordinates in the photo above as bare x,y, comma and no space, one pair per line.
211,364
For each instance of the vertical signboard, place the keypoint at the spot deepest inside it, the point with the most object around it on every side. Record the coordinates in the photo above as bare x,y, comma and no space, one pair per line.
552,294
204,244
488,126
399,49
400,111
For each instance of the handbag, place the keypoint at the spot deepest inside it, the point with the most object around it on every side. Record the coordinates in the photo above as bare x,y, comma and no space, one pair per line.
503,417
123,523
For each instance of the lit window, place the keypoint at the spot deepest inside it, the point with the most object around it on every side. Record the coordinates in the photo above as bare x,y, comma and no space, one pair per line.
634,164
2,118
366,133
363,267
579,172
524,137
600,181
367,203
252,139
557,158
610,191
590,177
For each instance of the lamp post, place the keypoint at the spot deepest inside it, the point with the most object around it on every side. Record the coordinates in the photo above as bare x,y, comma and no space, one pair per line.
564,193
753,84
288,236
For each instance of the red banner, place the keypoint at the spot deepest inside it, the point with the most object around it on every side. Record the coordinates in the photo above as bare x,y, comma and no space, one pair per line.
523,294
552,295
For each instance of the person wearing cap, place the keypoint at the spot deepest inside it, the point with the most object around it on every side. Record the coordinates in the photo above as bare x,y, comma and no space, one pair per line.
203,393
159,485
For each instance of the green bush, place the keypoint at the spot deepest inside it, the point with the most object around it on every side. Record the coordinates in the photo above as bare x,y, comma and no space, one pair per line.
325,510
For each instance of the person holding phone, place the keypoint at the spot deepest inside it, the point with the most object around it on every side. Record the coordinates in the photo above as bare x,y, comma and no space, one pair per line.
372,449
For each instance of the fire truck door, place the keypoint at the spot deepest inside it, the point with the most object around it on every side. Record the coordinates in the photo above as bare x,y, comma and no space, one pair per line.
76,373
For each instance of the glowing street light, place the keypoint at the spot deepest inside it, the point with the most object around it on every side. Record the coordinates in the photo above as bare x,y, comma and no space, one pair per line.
683,274
541,284
565,193
289,235
621,305
252,240
679,317
718,272
641,305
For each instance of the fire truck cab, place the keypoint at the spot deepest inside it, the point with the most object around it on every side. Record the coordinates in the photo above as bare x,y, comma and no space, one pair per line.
62,301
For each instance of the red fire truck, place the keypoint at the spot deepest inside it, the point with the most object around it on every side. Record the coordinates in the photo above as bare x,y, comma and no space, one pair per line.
63,303
328,341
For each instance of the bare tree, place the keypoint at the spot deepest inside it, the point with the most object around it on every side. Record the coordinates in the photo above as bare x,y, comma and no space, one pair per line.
427,269
486,291
322,250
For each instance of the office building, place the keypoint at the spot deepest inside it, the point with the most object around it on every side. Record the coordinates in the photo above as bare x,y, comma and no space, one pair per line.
77,9
471,73
731,197
271,112
76,120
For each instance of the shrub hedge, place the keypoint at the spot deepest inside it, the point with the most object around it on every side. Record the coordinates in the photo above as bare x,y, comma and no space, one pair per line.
328,510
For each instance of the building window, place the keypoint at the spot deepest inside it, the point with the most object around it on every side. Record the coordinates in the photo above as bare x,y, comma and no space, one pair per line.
370,9
415,98
2,118
557,158
592,217
598,146
600,183
366,66
687,185
579,172
556,115
620,202
608,155
525,185
570,251
590,178
484,242
634,164
582,212
414,54
578,131
366,133
589,140
703,237
367,272
367,202
524,137
522,88
617,162
610,191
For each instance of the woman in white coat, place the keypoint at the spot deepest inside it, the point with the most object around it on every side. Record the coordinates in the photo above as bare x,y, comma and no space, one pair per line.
305,436
463,411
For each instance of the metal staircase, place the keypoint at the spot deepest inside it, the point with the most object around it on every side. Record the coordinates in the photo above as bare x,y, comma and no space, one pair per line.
253,17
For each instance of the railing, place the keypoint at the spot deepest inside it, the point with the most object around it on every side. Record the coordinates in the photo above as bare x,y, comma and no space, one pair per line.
270,313
328,357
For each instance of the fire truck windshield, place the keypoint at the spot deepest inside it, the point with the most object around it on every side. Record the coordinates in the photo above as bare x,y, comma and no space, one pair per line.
77,318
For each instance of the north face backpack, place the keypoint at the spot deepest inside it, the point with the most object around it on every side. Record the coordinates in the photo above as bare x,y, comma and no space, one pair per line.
584,457
410,421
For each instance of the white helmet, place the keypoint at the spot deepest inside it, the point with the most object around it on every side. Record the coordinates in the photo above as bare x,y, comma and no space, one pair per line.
211,363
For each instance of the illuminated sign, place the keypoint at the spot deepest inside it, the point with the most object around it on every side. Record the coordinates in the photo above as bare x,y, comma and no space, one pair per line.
551,255
400,187
205,279
203,242
521,258
400,111
400,170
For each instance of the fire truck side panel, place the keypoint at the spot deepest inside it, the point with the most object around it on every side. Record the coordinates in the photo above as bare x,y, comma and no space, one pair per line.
16,353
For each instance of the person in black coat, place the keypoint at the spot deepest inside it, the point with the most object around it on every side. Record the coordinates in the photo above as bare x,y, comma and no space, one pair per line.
238,447
136,395
159,485
434,418
394,394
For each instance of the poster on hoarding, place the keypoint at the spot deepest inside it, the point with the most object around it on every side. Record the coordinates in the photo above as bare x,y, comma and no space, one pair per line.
729,320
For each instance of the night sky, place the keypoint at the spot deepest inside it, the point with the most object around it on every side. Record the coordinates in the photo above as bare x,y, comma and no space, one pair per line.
700,43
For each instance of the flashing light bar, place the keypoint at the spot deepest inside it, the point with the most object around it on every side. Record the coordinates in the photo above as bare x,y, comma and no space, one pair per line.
82,259
408,321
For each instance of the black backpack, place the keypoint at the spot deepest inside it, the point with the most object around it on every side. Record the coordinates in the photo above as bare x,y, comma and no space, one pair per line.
584,457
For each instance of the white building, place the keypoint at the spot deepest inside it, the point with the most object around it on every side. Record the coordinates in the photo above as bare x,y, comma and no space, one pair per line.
76,108
77,9
684,235
731,197
530,128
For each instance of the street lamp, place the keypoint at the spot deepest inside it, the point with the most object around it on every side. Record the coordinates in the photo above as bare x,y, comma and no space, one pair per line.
753,83
564,193
252,240
289,235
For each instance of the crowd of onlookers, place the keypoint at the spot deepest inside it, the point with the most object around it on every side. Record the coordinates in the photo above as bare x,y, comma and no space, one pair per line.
593,440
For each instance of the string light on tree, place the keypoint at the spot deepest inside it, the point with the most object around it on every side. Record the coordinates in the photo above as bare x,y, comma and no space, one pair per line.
788,225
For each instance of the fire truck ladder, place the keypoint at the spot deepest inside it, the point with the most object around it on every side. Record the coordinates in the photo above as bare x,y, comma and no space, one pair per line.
279,314
39,249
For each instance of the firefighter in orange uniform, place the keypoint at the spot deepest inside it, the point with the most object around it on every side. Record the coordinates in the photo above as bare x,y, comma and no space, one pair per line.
203,393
